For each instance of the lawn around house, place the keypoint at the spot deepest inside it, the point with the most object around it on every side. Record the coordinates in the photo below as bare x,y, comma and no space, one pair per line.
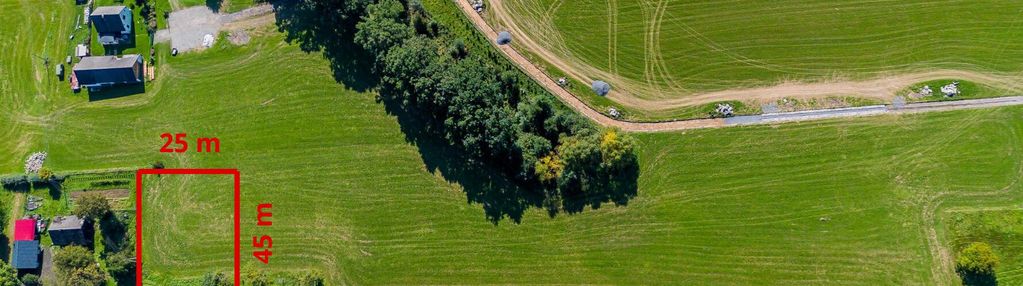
141,44
836,202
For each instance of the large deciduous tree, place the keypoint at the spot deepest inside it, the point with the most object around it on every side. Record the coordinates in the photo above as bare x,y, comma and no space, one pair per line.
86,276
479,117
976,264
616,151
75,265
382,27
92,206
978,257
410,72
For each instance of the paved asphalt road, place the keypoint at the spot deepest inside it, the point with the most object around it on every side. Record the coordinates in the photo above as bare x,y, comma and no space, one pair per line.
873,110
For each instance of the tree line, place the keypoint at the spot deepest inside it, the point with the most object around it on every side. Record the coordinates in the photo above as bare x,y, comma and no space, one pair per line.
480,104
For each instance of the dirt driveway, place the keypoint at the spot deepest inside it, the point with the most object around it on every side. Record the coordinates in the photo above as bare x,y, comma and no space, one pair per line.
187,27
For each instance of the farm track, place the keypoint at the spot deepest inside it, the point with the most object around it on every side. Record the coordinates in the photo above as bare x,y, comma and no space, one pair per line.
640,94
944,269
881,88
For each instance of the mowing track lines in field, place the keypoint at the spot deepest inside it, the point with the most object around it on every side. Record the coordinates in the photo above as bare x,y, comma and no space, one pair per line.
548,15
943,269
648,57
544,25
612,36
659,56
654,58
715,47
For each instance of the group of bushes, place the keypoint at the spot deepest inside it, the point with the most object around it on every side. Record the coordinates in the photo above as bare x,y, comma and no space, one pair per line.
476,103
264,279
76,265
109,183
23,182
118,243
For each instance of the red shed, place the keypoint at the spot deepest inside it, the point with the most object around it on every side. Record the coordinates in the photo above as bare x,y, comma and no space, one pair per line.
24,229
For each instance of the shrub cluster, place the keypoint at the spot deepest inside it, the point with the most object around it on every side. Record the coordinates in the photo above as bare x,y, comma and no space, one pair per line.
264,279
109,183
76,265
9,277
14,182
21,182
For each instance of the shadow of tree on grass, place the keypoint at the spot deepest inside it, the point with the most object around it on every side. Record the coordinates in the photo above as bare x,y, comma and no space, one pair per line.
215,5
977,279
483,184
313,32
488,185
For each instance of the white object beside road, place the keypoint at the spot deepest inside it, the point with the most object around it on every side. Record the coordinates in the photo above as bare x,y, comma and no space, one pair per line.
207,40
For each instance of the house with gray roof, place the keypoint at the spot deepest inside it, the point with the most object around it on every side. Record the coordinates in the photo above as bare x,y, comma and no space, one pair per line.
100,71
66,230
113,24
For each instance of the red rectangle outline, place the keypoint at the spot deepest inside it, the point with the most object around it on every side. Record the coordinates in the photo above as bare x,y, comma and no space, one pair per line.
237,213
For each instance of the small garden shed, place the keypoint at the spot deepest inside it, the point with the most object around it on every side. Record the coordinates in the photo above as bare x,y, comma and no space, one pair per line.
24,229
25,255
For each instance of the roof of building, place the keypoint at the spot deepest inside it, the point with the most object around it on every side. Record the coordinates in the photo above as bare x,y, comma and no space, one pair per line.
66,222
108,70
81,51
25,254
107,19
107,62
107,39
24,229
108,10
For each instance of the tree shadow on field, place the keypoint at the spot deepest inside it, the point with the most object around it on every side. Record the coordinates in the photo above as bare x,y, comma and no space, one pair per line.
54,190
5,242
483,184
215,5
618,190
351,65
313,32
977,279
490,185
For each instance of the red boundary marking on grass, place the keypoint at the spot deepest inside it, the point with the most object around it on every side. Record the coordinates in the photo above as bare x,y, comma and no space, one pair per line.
237,213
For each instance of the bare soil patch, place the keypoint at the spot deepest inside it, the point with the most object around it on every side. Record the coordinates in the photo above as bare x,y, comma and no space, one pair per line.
110,194
187,28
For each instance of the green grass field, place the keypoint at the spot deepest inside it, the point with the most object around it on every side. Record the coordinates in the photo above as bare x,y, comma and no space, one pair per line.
187,226
226,6
356,202
671,49
999,227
